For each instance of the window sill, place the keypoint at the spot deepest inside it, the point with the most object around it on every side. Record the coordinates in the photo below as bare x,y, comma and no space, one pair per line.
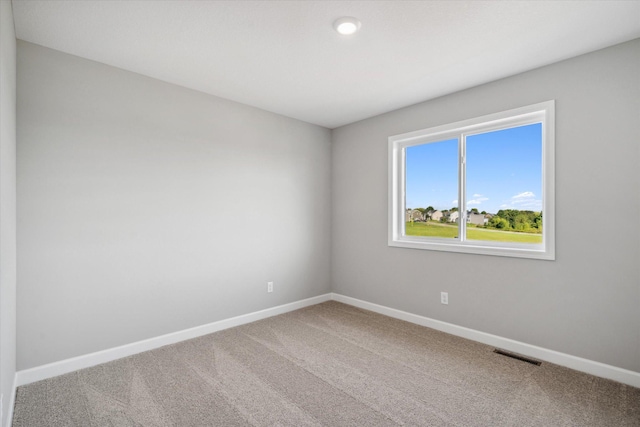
478,248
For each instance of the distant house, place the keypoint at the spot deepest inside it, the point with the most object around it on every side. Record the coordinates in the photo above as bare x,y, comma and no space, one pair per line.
477,219
453,216
414,215
436,216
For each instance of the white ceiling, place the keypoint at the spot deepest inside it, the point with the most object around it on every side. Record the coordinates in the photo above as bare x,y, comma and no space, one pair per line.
285,57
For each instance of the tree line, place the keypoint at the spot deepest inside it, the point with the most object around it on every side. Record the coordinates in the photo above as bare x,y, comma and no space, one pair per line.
505,219
514,219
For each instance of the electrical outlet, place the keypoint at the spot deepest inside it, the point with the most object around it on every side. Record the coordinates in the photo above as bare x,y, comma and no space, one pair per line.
444,297
269,286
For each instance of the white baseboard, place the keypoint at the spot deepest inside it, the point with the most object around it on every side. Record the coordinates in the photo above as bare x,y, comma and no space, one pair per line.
579,364
69,365
12,402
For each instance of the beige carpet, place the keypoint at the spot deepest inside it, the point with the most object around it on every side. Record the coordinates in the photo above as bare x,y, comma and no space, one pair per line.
326,365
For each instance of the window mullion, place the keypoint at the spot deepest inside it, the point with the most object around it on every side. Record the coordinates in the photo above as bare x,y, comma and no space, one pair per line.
401,210
462,170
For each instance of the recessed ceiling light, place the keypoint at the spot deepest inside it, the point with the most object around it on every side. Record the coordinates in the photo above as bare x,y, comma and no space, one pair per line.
346,25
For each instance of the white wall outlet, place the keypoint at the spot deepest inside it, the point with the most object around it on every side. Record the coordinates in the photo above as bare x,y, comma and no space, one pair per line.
269,286
444,297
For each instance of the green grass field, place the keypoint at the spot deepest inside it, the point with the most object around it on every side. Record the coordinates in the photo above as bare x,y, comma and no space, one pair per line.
429,229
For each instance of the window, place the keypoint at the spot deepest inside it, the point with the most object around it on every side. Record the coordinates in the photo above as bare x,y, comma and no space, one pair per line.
482,186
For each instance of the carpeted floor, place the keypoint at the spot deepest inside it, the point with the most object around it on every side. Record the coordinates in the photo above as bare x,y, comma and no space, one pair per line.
326,365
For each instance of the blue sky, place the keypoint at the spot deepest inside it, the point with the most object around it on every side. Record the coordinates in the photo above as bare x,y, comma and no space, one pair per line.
504,171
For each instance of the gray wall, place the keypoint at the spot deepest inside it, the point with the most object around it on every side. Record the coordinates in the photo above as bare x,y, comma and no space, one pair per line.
586,303
7,205
145,208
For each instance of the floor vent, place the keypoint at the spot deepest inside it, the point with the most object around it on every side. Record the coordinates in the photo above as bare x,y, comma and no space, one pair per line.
517,356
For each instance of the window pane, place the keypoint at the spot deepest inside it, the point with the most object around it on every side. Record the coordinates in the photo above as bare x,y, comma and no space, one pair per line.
431,205
504,185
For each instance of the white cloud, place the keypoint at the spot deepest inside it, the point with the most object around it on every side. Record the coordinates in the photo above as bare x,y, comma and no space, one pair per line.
525,195
476,196
523,201
478,200
455,202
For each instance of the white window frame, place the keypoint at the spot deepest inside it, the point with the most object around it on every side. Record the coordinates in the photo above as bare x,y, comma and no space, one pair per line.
538,113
